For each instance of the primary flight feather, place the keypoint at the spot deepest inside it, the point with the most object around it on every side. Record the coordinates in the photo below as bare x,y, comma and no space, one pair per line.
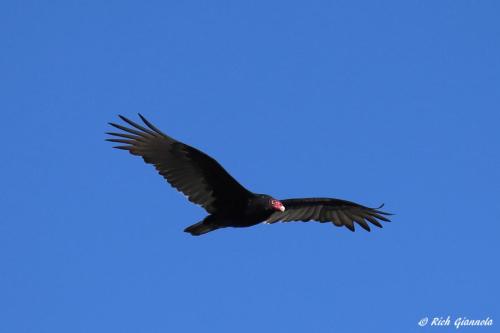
205,182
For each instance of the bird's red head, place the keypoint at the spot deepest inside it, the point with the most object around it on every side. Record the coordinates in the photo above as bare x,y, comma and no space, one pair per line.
277,205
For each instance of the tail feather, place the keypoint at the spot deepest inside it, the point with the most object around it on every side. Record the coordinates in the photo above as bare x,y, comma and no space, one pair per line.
200,228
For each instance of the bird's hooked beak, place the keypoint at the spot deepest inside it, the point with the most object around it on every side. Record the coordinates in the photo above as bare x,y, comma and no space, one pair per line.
278,205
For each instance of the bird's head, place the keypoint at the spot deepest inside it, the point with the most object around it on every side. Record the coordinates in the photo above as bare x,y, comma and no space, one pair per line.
276,205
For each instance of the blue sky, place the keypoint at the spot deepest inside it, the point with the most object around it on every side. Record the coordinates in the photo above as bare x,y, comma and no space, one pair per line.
394,102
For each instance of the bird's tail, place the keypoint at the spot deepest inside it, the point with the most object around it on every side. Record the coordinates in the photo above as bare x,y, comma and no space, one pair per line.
201,228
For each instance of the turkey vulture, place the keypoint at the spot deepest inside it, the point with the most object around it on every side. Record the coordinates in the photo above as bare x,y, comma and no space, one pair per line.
205,182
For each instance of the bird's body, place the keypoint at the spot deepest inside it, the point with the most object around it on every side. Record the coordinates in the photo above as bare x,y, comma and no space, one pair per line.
205,182
254,212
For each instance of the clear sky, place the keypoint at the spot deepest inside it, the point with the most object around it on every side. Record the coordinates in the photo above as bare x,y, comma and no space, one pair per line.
393,102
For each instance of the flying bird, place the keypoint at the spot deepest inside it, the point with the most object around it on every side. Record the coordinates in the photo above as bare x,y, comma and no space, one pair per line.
206,183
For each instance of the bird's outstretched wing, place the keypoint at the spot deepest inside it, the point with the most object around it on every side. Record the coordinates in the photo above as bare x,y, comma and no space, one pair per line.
201,178
339,212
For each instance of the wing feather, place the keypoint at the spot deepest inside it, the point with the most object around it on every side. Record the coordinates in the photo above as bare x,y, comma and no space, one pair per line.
200,177
339,212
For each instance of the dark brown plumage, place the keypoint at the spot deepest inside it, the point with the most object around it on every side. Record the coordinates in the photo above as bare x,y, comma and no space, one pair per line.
205,182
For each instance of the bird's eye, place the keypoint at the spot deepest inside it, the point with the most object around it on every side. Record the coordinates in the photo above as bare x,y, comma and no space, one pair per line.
273,202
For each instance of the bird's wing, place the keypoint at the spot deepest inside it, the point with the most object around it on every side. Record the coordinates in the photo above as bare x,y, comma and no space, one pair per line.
339,212
201,178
